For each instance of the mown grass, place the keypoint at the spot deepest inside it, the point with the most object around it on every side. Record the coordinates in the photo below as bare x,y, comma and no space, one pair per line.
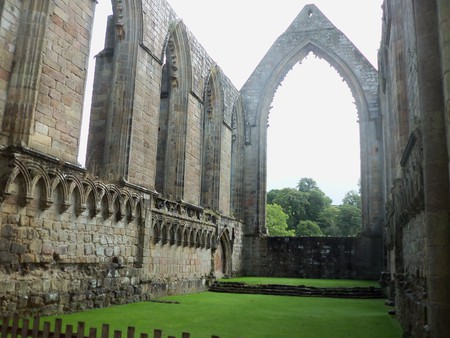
320,283
260,316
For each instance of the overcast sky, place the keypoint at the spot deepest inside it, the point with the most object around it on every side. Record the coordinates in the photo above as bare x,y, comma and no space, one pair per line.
313,128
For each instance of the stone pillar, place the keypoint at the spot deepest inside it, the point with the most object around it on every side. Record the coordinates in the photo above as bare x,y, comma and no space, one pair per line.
444,30
18,120
436,181
43,109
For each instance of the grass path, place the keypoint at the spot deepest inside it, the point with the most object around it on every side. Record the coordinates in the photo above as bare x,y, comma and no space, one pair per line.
322,283
233,316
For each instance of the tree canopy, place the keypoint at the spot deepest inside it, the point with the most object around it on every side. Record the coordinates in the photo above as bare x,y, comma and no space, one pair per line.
307,211
276,221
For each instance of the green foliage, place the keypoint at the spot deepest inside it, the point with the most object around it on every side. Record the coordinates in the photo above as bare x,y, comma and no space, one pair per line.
352,198
327,221
307,184
308,229
309,203
317,202
349,220
276,221
293,203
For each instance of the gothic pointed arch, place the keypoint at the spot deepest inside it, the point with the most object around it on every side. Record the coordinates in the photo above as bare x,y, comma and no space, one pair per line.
175,90
222,256
312,32
212,137
111,121
237,157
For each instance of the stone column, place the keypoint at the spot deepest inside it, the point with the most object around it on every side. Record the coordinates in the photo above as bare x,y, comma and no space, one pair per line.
444,30
23,91
436,181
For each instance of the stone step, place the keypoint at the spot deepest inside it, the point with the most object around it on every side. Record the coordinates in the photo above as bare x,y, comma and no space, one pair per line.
298,290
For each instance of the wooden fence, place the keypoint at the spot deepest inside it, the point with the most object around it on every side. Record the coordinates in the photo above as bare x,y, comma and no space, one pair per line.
32,328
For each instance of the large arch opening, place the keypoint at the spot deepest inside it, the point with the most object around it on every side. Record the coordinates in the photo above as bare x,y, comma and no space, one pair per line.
312,32
314,119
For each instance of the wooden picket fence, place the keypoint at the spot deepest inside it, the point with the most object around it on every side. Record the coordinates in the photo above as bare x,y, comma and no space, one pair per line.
31,328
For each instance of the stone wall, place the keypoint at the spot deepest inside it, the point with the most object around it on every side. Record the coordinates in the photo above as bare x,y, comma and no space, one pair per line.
69,243
73,238
43,62
315,257
413,59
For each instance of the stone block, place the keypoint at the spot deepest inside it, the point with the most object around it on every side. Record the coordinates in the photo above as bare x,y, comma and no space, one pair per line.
47,248
13,219
5,245
17,248
51,298
7,230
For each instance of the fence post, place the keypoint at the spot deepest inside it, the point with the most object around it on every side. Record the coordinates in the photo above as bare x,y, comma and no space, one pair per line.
15,326
157,334
25,324
144,335
117,334
46,331
69,331
92,332
185,335
35,332
80,330
5,325
105,331
130,332
58,327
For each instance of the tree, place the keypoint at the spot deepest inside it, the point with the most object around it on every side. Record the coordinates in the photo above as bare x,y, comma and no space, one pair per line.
307,184
317,202
352,198
276,221
308,203
293,203
349,220
308,229
327,221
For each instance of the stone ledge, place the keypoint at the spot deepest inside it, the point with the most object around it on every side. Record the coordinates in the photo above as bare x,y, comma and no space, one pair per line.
299,290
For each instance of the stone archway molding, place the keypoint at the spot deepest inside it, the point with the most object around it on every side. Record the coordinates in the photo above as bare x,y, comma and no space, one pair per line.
312,32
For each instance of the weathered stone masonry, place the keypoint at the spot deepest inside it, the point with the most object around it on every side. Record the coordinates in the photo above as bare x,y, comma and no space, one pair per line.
173,193
312,32
152,214
414,73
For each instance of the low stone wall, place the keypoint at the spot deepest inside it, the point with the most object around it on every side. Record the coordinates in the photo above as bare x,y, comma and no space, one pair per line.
69,243
58,288
320,257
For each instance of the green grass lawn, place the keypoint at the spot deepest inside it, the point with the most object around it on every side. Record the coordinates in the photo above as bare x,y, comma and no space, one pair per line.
320,283
259,316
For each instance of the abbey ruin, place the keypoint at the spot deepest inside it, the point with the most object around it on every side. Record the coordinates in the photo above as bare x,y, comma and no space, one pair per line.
174,189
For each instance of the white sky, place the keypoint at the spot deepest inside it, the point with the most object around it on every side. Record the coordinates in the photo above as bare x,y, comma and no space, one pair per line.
313,130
